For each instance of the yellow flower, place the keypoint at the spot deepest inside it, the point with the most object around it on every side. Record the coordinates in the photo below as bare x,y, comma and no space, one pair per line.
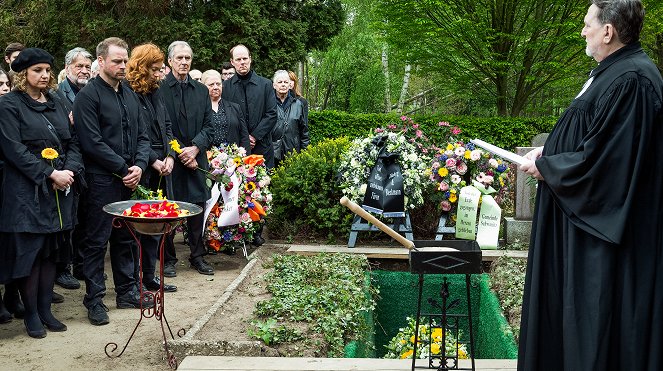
175,145
250,186
160,194
453,198
238,161
49,153
435,348
437,333
450,147
403,341
443,172
407,354
412,339
467,154
462,354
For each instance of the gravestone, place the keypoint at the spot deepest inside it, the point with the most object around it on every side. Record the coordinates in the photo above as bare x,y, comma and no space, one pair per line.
519,227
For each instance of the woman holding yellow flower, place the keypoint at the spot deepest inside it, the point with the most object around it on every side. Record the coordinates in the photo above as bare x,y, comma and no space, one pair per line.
41,160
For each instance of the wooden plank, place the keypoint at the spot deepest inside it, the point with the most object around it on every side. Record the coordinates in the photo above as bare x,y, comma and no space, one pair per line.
324,364
396,252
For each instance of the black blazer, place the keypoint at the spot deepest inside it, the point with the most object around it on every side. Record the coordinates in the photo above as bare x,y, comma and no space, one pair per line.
98,121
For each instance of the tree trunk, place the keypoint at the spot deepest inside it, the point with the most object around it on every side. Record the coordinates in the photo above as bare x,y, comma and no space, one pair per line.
404,88
385,70
501,87
328,92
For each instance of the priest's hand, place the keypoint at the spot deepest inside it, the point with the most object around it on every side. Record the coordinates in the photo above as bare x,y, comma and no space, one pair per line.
534,154
133,177
530,168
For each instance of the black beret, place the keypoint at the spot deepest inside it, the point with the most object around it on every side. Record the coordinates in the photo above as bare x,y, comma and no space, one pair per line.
29,57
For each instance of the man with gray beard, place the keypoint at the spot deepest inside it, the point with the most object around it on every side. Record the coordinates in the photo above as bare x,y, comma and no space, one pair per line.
78,65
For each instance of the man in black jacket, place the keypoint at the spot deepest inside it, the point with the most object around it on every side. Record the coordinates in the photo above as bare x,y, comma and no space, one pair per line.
115,148
77,64
255,95
190,110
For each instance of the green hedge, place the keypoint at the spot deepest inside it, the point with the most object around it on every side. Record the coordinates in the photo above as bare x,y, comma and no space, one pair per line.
506,132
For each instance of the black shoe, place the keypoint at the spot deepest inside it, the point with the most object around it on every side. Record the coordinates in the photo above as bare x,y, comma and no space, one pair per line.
132,299
57,298
67,281
154,285
169,270
56,326
257,240
5,316
14,304
202,266
97,314
78,274
37,333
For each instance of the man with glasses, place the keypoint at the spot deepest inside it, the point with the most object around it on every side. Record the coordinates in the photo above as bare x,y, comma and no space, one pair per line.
227,71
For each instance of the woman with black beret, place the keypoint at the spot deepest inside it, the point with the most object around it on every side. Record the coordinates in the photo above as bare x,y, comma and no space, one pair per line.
41,159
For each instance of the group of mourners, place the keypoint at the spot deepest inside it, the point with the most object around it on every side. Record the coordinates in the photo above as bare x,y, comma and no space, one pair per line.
71,148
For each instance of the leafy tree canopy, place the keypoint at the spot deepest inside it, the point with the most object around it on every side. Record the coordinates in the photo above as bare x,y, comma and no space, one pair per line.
279,33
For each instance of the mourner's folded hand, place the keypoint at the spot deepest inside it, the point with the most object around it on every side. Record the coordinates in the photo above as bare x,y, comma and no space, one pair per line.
168,165
62,179
133,177
252,141
531,169
158,165
188,154
193,164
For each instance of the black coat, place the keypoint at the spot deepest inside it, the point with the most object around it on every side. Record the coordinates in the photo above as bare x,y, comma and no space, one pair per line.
189,185
259,108
28,201
238,132
593,296
156,117
98,121
291,130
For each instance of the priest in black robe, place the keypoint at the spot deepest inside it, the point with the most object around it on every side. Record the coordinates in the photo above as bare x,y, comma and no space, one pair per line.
594,286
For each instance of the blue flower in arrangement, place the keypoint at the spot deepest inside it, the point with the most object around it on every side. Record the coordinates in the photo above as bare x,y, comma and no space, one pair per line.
501,168
470,146
227,235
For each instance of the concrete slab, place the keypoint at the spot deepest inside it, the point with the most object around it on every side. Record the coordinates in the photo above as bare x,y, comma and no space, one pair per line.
325,364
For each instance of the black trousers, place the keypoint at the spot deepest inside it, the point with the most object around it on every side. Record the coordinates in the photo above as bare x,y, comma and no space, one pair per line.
102,190
194,225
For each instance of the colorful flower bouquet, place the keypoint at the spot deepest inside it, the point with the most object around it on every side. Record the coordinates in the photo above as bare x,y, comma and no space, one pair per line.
254,197
360,158
460,164
429,343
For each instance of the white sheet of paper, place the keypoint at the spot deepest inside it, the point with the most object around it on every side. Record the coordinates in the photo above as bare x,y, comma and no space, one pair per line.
510,156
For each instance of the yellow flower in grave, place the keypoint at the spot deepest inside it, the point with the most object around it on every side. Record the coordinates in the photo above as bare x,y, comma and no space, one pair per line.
437,334
462,354
49,153
443,172
250,186
403,341
450,147
435,348
407,354
175,145
467,154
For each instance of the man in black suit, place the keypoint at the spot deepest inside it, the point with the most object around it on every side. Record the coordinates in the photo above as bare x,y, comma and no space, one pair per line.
190,111
115,148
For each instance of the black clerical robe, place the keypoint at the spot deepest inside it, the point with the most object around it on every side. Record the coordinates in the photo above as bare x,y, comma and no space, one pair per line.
594,286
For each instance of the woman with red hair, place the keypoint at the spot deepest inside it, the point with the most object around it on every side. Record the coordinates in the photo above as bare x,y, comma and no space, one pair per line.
143,75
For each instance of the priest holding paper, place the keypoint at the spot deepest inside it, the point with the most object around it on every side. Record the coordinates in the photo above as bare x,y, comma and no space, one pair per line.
594,286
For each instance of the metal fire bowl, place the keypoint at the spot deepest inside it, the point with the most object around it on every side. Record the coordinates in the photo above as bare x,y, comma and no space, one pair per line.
151,226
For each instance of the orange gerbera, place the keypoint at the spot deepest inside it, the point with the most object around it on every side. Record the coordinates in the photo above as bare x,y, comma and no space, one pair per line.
254,160
49,153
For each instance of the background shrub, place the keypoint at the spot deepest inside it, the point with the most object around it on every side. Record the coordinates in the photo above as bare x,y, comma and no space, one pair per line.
506,132
306,194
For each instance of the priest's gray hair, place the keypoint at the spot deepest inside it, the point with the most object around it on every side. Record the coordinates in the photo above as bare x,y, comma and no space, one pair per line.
280,73
174,44
626,16
74,53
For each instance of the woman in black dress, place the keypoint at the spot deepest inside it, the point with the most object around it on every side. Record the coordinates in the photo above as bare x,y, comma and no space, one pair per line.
229,125
38,195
